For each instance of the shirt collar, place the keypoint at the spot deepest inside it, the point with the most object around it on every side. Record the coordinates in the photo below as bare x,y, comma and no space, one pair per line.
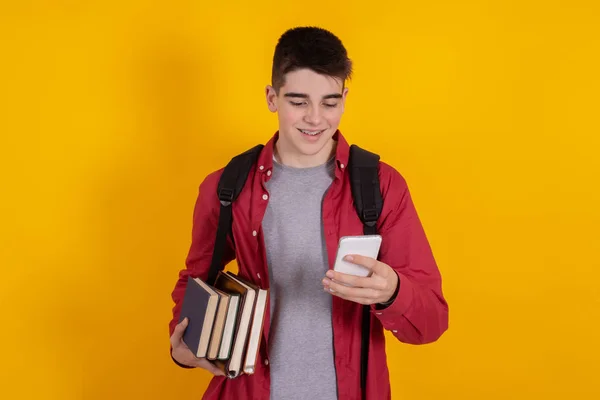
342,153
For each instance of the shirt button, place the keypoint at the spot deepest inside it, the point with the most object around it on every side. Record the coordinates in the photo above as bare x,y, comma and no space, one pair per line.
254,233
269,173
261,167
265,197
266,362
342,166
378,313
395,331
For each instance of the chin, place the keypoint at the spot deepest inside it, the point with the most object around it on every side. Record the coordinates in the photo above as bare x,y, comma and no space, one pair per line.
314,147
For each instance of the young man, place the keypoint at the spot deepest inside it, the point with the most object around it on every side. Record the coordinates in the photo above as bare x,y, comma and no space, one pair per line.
296,205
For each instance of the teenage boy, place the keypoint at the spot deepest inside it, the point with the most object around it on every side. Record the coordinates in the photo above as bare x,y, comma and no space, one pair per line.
287,221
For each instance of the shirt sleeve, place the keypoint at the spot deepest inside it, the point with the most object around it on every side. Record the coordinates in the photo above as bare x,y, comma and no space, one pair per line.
204,228
419,313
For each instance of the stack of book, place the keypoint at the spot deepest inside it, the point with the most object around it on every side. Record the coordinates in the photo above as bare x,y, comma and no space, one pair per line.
225,322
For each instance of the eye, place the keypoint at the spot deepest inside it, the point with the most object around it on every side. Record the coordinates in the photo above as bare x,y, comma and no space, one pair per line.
330,105
295,104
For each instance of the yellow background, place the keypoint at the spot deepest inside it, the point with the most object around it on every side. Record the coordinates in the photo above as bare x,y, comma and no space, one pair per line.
112,112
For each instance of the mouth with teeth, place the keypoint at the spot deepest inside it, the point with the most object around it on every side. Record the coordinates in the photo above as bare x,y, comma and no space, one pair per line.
311,133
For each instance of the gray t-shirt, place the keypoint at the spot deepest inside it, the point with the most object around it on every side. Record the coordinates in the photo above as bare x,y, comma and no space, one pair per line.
301,339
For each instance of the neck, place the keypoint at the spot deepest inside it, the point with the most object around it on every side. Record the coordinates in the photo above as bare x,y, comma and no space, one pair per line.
296,160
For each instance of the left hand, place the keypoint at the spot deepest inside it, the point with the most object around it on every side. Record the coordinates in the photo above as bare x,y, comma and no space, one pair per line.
377,288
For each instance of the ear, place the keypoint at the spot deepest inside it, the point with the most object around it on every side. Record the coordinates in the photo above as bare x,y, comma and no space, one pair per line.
271,96
344,95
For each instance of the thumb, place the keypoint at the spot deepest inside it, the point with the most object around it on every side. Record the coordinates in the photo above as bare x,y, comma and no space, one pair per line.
183,324
180,328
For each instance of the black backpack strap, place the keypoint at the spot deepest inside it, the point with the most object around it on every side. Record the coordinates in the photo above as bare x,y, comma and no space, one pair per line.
366,192
230,185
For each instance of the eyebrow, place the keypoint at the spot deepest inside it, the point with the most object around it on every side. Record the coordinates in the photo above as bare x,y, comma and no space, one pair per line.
305,96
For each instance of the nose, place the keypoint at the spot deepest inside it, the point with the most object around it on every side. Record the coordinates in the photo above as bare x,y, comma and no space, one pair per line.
313,115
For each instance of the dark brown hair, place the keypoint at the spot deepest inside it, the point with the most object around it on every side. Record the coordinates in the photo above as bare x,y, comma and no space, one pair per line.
310,47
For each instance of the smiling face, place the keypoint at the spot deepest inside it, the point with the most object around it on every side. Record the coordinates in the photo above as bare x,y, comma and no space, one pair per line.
309,108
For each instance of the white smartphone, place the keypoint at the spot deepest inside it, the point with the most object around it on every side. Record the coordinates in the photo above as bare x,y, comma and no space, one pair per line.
364,245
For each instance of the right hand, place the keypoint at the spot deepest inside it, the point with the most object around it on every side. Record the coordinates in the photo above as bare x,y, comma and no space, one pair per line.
183,355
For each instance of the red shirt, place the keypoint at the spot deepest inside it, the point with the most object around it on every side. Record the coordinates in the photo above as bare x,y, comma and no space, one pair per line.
418,315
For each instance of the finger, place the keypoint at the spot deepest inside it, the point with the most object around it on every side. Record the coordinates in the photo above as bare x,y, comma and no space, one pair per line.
346,291
356,281
178,331
359,300
210,367
375,266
